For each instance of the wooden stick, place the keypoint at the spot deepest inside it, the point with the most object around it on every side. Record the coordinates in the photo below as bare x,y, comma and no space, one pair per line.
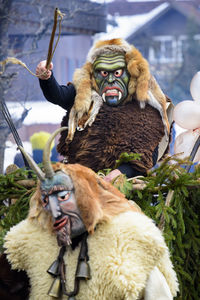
51,51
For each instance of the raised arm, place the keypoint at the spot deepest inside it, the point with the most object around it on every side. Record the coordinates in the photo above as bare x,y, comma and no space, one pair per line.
62,95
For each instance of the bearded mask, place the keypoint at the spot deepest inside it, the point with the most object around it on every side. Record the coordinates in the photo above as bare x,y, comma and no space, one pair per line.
115,72
58,197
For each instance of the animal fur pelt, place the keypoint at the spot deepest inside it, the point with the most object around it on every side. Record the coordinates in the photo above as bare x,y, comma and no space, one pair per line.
142,85
127,128
124,245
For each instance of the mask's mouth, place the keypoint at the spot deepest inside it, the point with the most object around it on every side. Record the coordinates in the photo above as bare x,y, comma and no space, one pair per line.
58,224
68,227
112,95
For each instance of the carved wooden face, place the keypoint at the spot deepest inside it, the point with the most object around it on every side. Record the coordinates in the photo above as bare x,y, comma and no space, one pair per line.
58,197
111,76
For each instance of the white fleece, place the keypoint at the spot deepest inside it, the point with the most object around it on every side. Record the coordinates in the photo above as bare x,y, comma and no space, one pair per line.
122,255
157,287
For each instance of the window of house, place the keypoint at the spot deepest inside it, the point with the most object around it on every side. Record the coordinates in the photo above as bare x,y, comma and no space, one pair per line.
184,44
157,50
197,38
166,49
162,49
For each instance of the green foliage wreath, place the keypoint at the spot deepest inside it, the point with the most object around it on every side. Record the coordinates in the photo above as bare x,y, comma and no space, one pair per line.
169,195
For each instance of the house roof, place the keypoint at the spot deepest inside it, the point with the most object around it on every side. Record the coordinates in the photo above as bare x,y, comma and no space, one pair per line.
135,7
81,17
128,25
135,17
129,8
187,9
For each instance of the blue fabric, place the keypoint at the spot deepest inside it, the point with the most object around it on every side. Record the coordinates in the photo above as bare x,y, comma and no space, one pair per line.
19,161
62,95
37,155
54,154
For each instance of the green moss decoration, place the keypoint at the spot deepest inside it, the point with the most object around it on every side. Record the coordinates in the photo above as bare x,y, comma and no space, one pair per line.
15,191
169,195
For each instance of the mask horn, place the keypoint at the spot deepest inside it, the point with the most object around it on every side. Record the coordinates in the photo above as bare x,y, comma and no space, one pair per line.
49,172
33,165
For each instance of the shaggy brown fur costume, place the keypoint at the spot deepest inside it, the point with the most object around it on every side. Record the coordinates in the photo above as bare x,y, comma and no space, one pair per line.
127,128
141,84
138,125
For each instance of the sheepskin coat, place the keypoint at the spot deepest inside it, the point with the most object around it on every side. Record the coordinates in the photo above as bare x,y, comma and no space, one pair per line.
127,128
122,253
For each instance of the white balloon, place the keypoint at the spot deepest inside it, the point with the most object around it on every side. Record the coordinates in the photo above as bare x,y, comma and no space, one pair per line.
184,144
187,114
195,87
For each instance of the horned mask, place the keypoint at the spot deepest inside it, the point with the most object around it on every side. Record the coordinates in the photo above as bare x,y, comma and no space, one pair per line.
71,200
58,198
72,197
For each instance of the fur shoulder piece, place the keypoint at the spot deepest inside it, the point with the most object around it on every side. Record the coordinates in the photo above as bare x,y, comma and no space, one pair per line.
142,85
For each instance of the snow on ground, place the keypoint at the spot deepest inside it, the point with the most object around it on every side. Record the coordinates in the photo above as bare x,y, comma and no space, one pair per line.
11,150
39,112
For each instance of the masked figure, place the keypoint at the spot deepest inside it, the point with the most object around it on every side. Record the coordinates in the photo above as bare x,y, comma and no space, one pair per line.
111,77
114,105
84,240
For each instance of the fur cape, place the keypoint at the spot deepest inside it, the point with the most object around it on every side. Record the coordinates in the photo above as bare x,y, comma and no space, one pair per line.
122,254
124,245
127,128
142,86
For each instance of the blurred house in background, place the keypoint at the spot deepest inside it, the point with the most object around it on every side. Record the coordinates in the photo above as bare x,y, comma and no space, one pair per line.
168,35
27,38
29,35
166,32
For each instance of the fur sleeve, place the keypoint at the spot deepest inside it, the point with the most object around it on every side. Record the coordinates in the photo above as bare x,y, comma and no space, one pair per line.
137,248
17,245
140,251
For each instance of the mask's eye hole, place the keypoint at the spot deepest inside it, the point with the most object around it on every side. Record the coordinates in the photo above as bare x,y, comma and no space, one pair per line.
118,73
63,196
104,73
45,200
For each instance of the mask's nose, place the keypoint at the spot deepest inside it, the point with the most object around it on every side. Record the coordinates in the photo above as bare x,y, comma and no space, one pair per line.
111,77
54,206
